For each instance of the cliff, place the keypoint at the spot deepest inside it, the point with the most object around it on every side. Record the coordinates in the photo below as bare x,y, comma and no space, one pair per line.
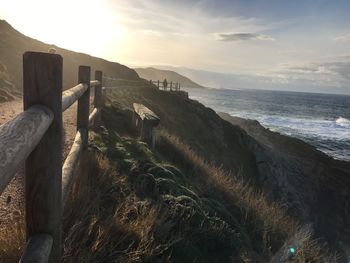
314,186
242,167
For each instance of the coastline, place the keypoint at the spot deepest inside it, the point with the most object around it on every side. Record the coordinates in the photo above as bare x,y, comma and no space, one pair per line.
315,119
274,139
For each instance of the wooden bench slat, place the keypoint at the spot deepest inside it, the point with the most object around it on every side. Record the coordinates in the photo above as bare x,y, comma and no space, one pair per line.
146,121
19,137
145,113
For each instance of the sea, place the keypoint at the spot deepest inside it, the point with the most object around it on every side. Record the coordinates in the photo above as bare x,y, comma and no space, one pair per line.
322,120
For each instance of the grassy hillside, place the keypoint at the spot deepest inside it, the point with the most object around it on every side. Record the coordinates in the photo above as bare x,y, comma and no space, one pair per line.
13,44
195,198
312,186
158,74
169,205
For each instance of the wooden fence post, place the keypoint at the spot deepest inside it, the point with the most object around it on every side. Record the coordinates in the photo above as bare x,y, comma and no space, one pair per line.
98,90
158,84
84,102
98,97
42,84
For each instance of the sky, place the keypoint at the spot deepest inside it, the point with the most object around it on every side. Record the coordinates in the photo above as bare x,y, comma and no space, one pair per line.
289,44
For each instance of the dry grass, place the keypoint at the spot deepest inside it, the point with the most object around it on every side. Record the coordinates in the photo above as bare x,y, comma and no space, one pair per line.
268,222
105,222
12,240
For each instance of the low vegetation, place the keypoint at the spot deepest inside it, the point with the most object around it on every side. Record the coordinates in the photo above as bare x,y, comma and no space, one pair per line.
170,205
133,204
12,239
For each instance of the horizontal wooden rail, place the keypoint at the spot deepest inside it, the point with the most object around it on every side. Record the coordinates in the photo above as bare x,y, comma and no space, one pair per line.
94,83
168,85
19,137
35,136
38,249
93,115
72,95
71,163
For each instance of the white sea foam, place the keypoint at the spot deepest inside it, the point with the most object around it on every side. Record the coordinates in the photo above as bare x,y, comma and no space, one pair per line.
312,119
344,122
324,129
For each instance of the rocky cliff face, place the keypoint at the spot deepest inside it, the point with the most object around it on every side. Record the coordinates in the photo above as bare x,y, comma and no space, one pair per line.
314,187
13,44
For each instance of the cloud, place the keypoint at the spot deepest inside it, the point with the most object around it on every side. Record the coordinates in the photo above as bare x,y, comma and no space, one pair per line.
339,68
342,39
333,73
228,37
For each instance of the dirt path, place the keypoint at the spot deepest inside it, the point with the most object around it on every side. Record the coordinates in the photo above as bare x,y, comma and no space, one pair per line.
12,199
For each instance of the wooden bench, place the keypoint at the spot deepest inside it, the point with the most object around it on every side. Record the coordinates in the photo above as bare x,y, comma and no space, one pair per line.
145,120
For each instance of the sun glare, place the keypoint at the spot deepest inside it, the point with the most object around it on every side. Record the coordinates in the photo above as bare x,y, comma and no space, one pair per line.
87,26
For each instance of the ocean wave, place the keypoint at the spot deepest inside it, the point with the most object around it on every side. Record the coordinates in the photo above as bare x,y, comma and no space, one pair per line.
323,121
324,129
329,136
343,122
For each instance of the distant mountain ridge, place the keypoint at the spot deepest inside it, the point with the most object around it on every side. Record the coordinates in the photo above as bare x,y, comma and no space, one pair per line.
237,80
159,74
13,44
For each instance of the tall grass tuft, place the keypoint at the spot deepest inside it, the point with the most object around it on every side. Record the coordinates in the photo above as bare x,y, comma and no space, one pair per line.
267,223
103,220
12,239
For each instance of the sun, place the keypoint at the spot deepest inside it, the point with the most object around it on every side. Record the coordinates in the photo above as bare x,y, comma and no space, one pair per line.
88,26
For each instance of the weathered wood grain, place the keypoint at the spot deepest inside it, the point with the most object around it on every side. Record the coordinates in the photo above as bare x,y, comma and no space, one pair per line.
38,249
42,84
19,137
72,95
84,101
94,114
145,120
146,114
70,164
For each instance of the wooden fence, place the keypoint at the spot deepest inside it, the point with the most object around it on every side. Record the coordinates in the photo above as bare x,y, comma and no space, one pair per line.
35,136
169,86
166,86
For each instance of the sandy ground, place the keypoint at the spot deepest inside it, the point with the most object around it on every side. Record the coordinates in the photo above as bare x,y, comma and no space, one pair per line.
12,199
